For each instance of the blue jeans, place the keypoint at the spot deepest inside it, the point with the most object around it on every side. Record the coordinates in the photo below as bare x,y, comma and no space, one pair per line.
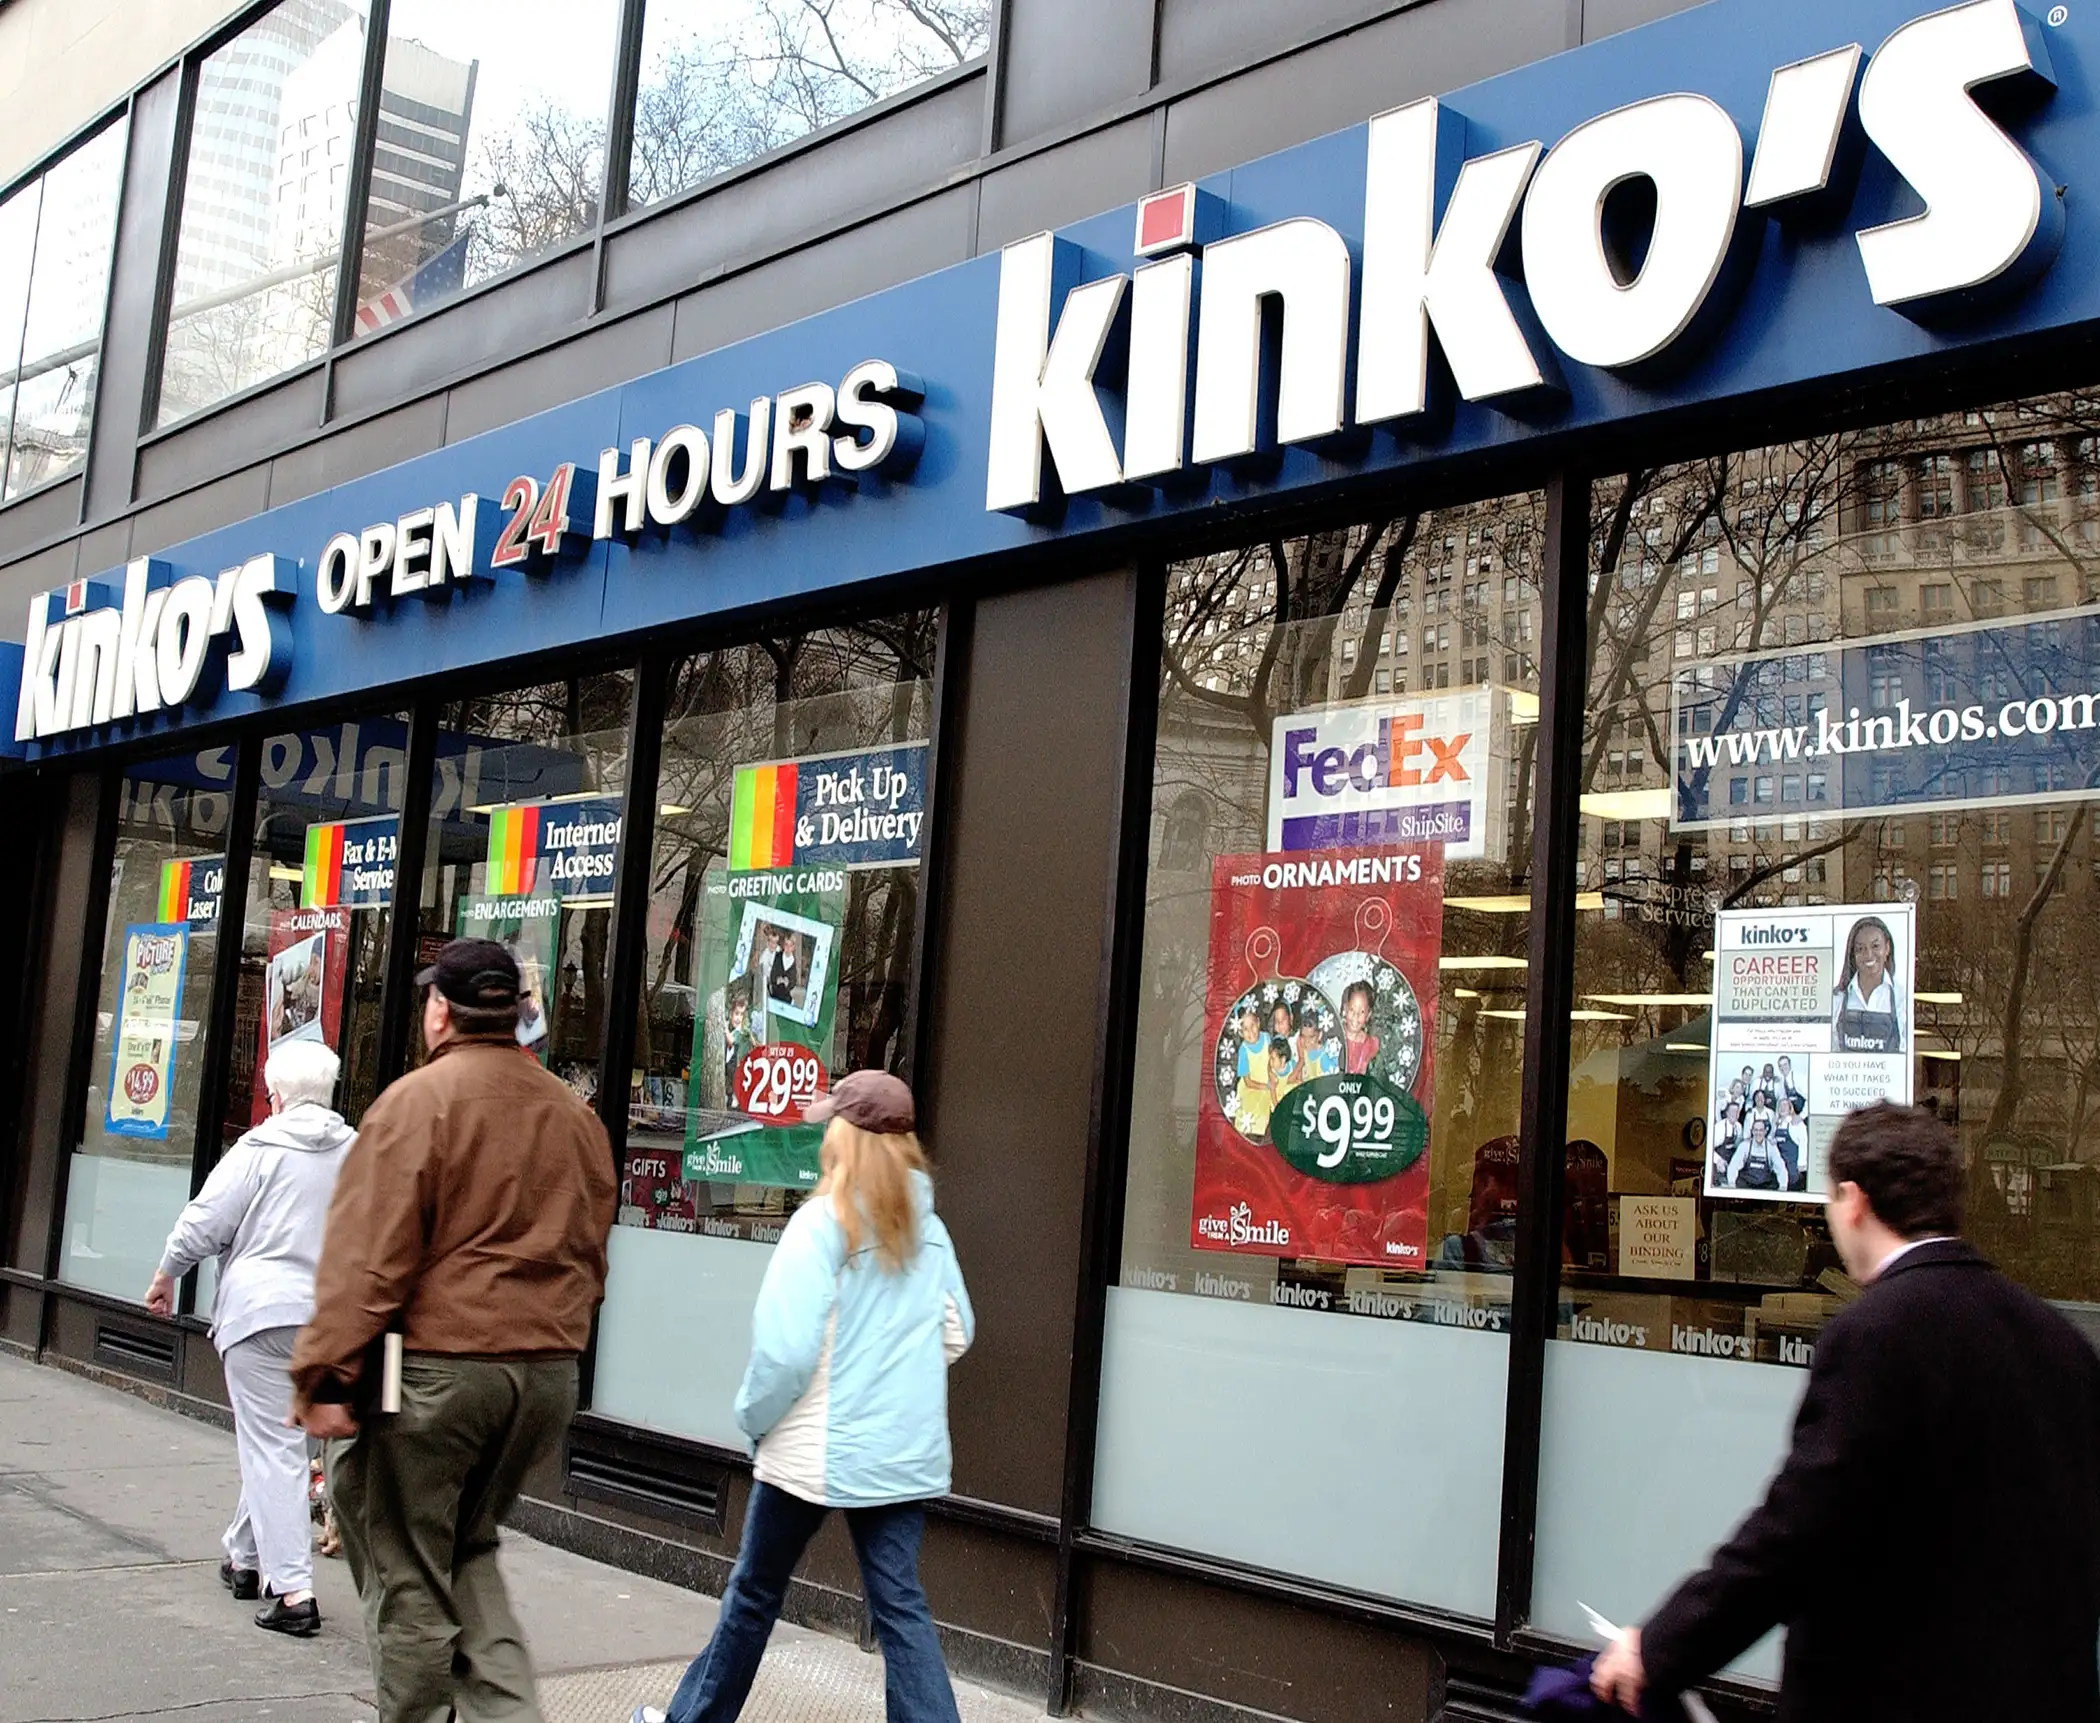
777,1528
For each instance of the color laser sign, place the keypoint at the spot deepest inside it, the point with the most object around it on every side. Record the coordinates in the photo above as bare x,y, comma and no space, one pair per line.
565,849
862,808
1980,715
190,889
349,864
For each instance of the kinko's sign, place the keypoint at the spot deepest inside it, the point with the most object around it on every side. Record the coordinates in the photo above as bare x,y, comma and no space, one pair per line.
105,658
1437,229
1658,223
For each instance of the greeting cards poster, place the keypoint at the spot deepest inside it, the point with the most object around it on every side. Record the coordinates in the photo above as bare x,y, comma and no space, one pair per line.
1312,1125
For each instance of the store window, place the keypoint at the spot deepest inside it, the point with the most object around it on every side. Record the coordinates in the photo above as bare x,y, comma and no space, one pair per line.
262,211
527,801
130,1174
1320,1206
785,897
56,236
724,81
490,148
1944,960
321,882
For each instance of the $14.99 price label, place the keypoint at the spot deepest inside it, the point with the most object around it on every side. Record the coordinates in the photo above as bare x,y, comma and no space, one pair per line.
775,1082
1349,1130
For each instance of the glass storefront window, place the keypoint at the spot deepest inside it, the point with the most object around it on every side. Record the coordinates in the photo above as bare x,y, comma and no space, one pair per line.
527,802
1839,753
56,237
724,83
490,148
321,883
262,203
130,1175
1320,1208
785,884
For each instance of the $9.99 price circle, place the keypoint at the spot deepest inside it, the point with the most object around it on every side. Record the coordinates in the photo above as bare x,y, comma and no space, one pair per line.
774,1083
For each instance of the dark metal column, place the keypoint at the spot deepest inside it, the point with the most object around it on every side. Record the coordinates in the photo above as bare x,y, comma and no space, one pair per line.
1108,1126
951,656
397,988
1549,997
219,1052
630,928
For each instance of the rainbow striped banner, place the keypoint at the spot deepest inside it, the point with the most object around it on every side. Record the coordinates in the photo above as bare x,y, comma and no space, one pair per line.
174,890
762,817
349,864
189,891
514,845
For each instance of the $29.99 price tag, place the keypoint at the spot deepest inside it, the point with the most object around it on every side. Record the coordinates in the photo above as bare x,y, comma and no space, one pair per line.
775,1082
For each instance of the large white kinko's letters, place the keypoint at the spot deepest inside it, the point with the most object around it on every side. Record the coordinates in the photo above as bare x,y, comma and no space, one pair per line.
150,651
1689,148
1986,208
1043,386
1305,264
1419,274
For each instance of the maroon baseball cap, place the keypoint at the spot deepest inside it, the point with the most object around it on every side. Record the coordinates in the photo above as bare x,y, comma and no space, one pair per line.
873,1100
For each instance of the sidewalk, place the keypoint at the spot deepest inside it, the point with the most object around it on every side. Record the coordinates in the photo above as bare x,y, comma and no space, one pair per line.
110,1515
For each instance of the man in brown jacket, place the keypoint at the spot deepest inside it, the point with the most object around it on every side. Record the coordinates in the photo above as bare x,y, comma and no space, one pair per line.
471,1217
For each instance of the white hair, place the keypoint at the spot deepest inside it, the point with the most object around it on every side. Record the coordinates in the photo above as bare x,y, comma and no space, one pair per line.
302,1071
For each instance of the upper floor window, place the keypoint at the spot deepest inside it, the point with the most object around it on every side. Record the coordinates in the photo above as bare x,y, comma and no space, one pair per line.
260,241
56,235
724,81
489,149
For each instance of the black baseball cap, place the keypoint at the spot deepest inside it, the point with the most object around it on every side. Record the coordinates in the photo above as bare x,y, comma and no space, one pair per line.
477,973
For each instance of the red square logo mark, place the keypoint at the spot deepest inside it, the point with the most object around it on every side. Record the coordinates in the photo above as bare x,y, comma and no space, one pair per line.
1166,220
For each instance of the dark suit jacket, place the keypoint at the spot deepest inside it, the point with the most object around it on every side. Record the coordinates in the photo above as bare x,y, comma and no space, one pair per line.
1932,1544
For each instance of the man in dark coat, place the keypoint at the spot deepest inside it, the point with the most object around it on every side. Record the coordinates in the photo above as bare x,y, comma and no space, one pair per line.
1932,1543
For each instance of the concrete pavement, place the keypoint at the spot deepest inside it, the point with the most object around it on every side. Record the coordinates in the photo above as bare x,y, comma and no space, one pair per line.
110,1515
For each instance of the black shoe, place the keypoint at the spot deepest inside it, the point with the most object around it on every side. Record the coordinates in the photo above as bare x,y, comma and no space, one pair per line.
301,1620
244,1582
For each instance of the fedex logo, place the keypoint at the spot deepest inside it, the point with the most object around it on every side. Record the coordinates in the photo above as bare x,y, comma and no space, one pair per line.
1388,760
1406,771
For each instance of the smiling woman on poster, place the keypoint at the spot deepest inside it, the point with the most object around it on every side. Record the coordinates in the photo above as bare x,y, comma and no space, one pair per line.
1867,1011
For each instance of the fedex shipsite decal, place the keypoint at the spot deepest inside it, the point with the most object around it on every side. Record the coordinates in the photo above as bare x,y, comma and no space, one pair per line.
1979,714
1830,188
1391,770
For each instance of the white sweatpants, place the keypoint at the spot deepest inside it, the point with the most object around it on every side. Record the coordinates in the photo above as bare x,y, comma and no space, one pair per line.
271,1530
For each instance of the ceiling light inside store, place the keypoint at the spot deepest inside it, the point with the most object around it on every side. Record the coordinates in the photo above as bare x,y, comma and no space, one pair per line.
279,871
1649,998
668,809
1938,1053
1628,804
1513,903
1464,993
1939,998
1698,1047
1516,1016
1480,963
1598,1017
1523,706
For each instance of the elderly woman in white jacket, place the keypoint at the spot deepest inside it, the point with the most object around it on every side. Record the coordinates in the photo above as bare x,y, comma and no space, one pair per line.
262,1213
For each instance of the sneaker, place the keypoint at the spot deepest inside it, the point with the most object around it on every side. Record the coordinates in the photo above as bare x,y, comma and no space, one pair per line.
645,1714
244,1582
301,1620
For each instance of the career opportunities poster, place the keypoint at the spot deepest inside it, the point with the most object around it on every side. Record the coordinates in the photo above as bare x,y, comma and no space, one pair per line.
1811,1018
1319,1023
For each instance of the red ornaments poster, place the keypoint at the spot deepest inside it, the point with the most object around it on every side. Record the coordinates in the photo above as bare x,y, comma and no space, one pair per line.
1312,1125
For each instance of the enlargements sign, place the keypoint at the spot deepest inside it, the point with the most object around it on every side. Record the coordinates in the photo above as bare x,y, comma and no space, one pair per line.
1811,1018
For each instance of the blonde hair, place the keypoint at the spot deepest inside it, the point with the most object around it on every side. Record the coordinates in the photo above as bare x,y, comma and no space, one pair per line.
868,1178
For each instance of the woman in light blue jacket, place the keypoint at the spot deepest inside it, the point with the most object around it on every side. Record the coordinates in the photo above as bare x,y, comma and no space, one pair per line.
861,1312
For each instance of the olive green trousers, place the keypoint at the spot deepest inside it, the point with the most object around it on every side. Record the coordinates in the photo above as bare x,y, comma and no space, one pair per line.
419,1496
